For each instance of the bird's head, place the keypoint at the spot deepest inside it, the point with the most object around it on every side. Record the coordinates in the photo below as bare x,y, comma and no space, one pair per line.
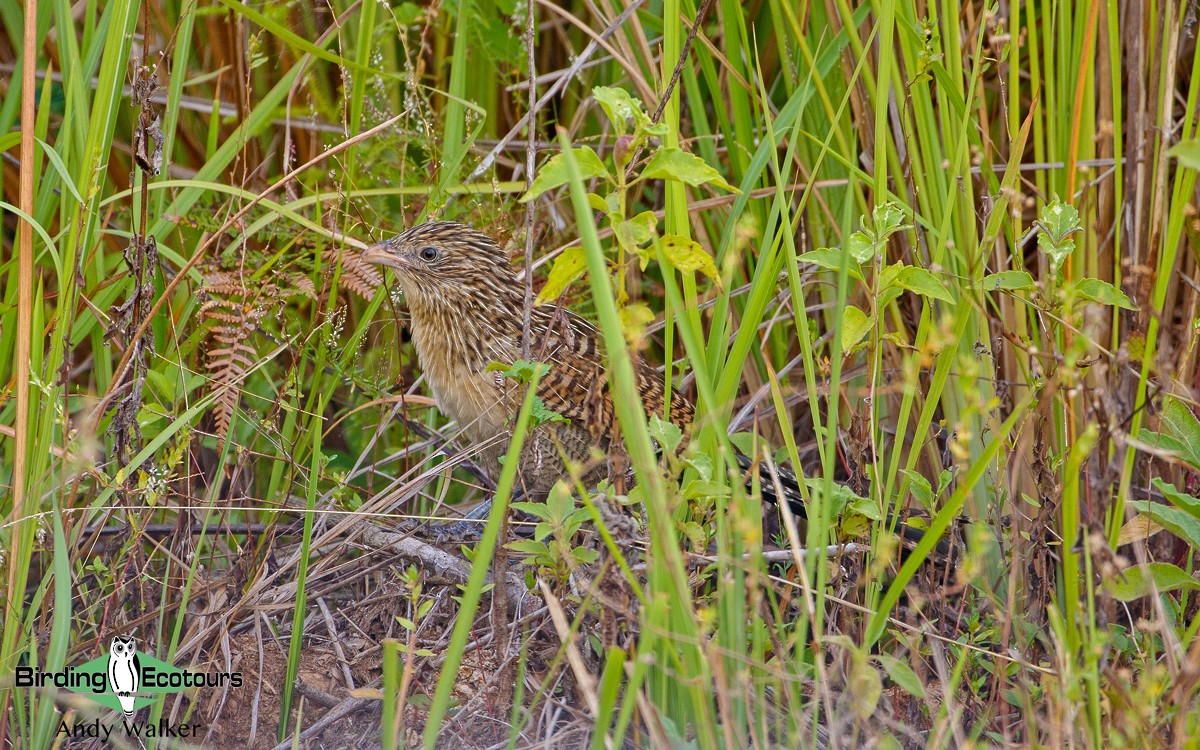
445,263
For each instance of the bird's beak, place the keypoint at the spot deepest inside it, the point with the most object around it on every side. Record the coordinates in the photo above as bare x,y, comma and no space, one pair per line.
381,255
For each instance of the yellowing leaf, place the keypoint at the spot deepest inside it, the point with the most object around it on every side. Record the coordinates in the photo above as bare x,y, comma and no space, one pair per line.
634,319
635,233
1141,527
567,267
686,256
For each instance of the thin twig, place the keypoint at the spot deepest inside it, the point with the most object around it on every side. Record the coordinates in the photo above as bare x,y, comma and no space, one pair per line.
486,163
683,56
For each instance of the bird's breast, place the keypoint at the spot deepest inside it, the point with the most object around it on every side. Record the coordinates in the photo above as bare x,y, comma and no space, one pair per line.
455,367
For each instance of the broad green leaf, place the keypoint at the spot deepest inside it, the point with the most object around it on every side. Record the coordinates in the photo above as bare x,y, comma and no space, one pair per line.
528,547
621,108
888,219
541,414
860,247
1103,292
1057,221
1161,442
1179,422
1180,500
686,256
1187,153
1175,520
1007,280
919,486
666,434
553,173
855,325
1143,580
865,506
676,164
903,675
840,495
831,258
568,267
698,488
922,282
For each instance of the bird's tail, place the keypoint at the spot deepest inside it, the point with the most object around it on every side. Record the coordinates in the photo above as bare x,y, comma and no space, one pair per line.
789,483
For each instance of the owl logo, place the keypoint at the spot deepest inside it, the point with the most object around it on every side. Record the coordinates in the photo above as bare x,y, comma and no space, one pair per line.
124,672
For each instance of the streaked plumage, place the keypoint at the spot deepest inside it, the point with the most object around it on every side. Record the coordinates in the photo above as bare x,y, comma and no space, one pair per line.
467,308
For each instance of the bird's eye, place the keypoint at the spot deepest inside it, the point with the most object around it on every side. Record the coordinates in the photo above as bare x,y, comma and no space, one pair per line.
429,253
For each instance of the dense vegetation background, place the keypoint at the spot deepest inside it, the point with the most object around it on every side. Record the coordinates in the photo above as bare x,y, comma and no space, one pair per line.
942,260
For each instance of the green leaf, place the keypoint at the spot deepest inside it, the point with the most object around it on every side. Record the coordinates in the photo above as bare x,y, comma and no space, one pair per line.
903,675
635,233
1180,500
553,173
1161,442
1057,221
522,370
540,414
1179,422
888,219
528,547
1187,153
840,496
621,108
568,266
666,434
686,256
861,247
1136,582
676,164
698,488
865,687
865,506
1175,520
1103,292
831,258
922,282
1007,280
855,325
919,486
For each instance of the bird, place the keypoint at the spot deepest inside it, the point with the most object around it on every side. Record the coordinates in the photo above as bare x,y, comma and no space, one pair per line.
124,672
466,307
